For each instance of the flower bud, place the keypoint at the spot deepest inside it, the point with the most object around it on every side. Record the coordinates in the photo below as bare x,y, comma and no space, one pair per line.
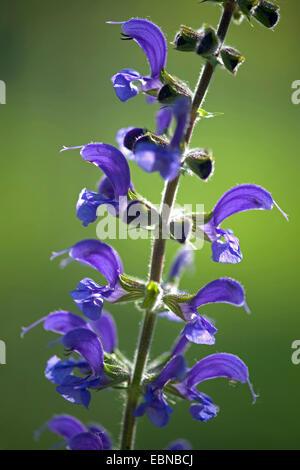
200,162
172,89
208,43
186,39
232,59
267,14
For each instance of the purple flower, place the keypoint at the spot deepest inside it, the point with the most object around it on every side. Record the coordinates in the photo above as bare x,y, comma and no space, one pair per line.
88,345
59,322
120,136
112,190
238,199
223,290
155,406
179,444
105,328
152,41
198,331
87,339
102,257
88,297
184,259
77,436
166,160
211,367
62,322
163,119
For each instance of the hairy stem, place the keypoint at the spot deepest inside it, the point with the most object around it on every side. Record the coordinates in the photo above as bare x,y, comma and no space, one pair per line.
159,245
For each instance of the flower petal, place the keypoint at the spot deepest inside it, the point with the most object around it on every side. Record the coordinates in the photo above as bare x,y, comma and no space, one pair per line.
102,433
155,407
59,322
74,390
174,370
120,141
105,188
151,39
88,298
227,251
123,84
112,162
85,441
99,256
86,343
66,426
181,110
242,198
57,370
218,365
152,158
105,327
224,290
200,331
179,444
163,119
88,203
183,259
203,412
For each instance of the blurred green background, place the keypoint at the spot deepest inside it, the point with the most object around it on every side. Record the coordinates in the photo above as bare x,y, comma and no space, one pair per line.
57,59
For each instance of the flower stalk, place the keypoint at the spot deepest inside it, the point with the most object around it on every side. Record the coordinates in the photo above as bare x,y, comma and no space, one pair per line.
159,245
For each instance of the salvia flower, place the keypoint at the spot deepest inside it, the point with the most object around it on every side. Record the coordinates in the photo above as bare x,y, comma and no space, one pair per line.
89,340
152,41
112,190
155,406
225,246
185,381
89,295
223,290
76,435
199,329
211,367
166,159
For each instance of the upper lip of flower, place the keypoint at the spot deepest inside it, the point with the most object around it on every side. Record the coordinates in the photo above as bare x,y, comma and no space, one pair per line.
77,436
152,41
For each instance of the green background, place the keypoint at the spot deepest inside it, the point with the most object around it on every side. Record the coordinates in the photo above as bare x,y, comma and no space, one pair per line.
57,59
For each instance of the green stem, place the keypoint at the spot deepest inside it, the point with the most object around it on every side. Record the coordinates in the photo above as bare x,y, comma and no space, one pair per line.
158,249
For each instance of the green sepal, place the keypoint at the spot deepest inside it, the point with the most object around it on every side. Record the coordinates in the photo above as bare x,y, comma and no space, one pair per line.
201,163
173,302
209,43
267,14
232,59
186,39
172,88
157,139
134,288
115,368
